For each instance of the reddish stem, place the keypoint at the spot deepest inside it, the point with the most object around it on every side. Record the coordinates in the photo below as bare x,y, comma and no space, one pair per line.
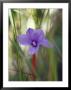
33,66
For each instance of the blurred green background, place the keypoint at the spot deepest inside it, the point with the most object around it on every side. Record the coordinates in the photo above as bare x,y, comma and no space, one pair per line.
49,60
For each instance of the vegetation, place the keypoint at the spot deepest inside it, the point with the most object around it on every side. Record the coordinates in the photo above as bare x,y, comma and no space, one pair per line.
49,60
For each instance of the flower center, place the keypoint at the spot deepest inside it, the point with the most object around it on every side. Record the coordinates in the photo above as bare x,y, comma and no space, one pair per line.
34,43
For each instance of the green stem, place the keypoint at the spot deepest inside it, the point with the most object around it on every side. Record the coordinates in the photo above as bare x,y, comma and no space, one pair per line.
14,25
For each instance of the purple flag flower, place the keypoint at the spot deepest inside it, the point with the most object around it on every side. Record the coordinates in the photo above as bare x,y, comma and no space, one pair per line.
34,38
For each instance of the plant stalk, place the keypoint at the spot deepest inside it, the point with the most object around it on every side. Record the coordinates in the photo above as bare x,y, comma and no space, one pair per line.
33,67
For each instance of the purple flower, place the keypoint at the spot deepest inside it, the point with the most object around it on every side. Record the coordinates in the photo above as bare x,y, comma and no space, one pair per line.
34,38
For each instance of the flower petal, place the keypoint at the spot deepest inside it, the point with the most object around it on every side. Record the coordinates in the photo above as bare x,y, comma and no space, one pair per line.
33,50
30,33
38,34
46,43
23,39
35,34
